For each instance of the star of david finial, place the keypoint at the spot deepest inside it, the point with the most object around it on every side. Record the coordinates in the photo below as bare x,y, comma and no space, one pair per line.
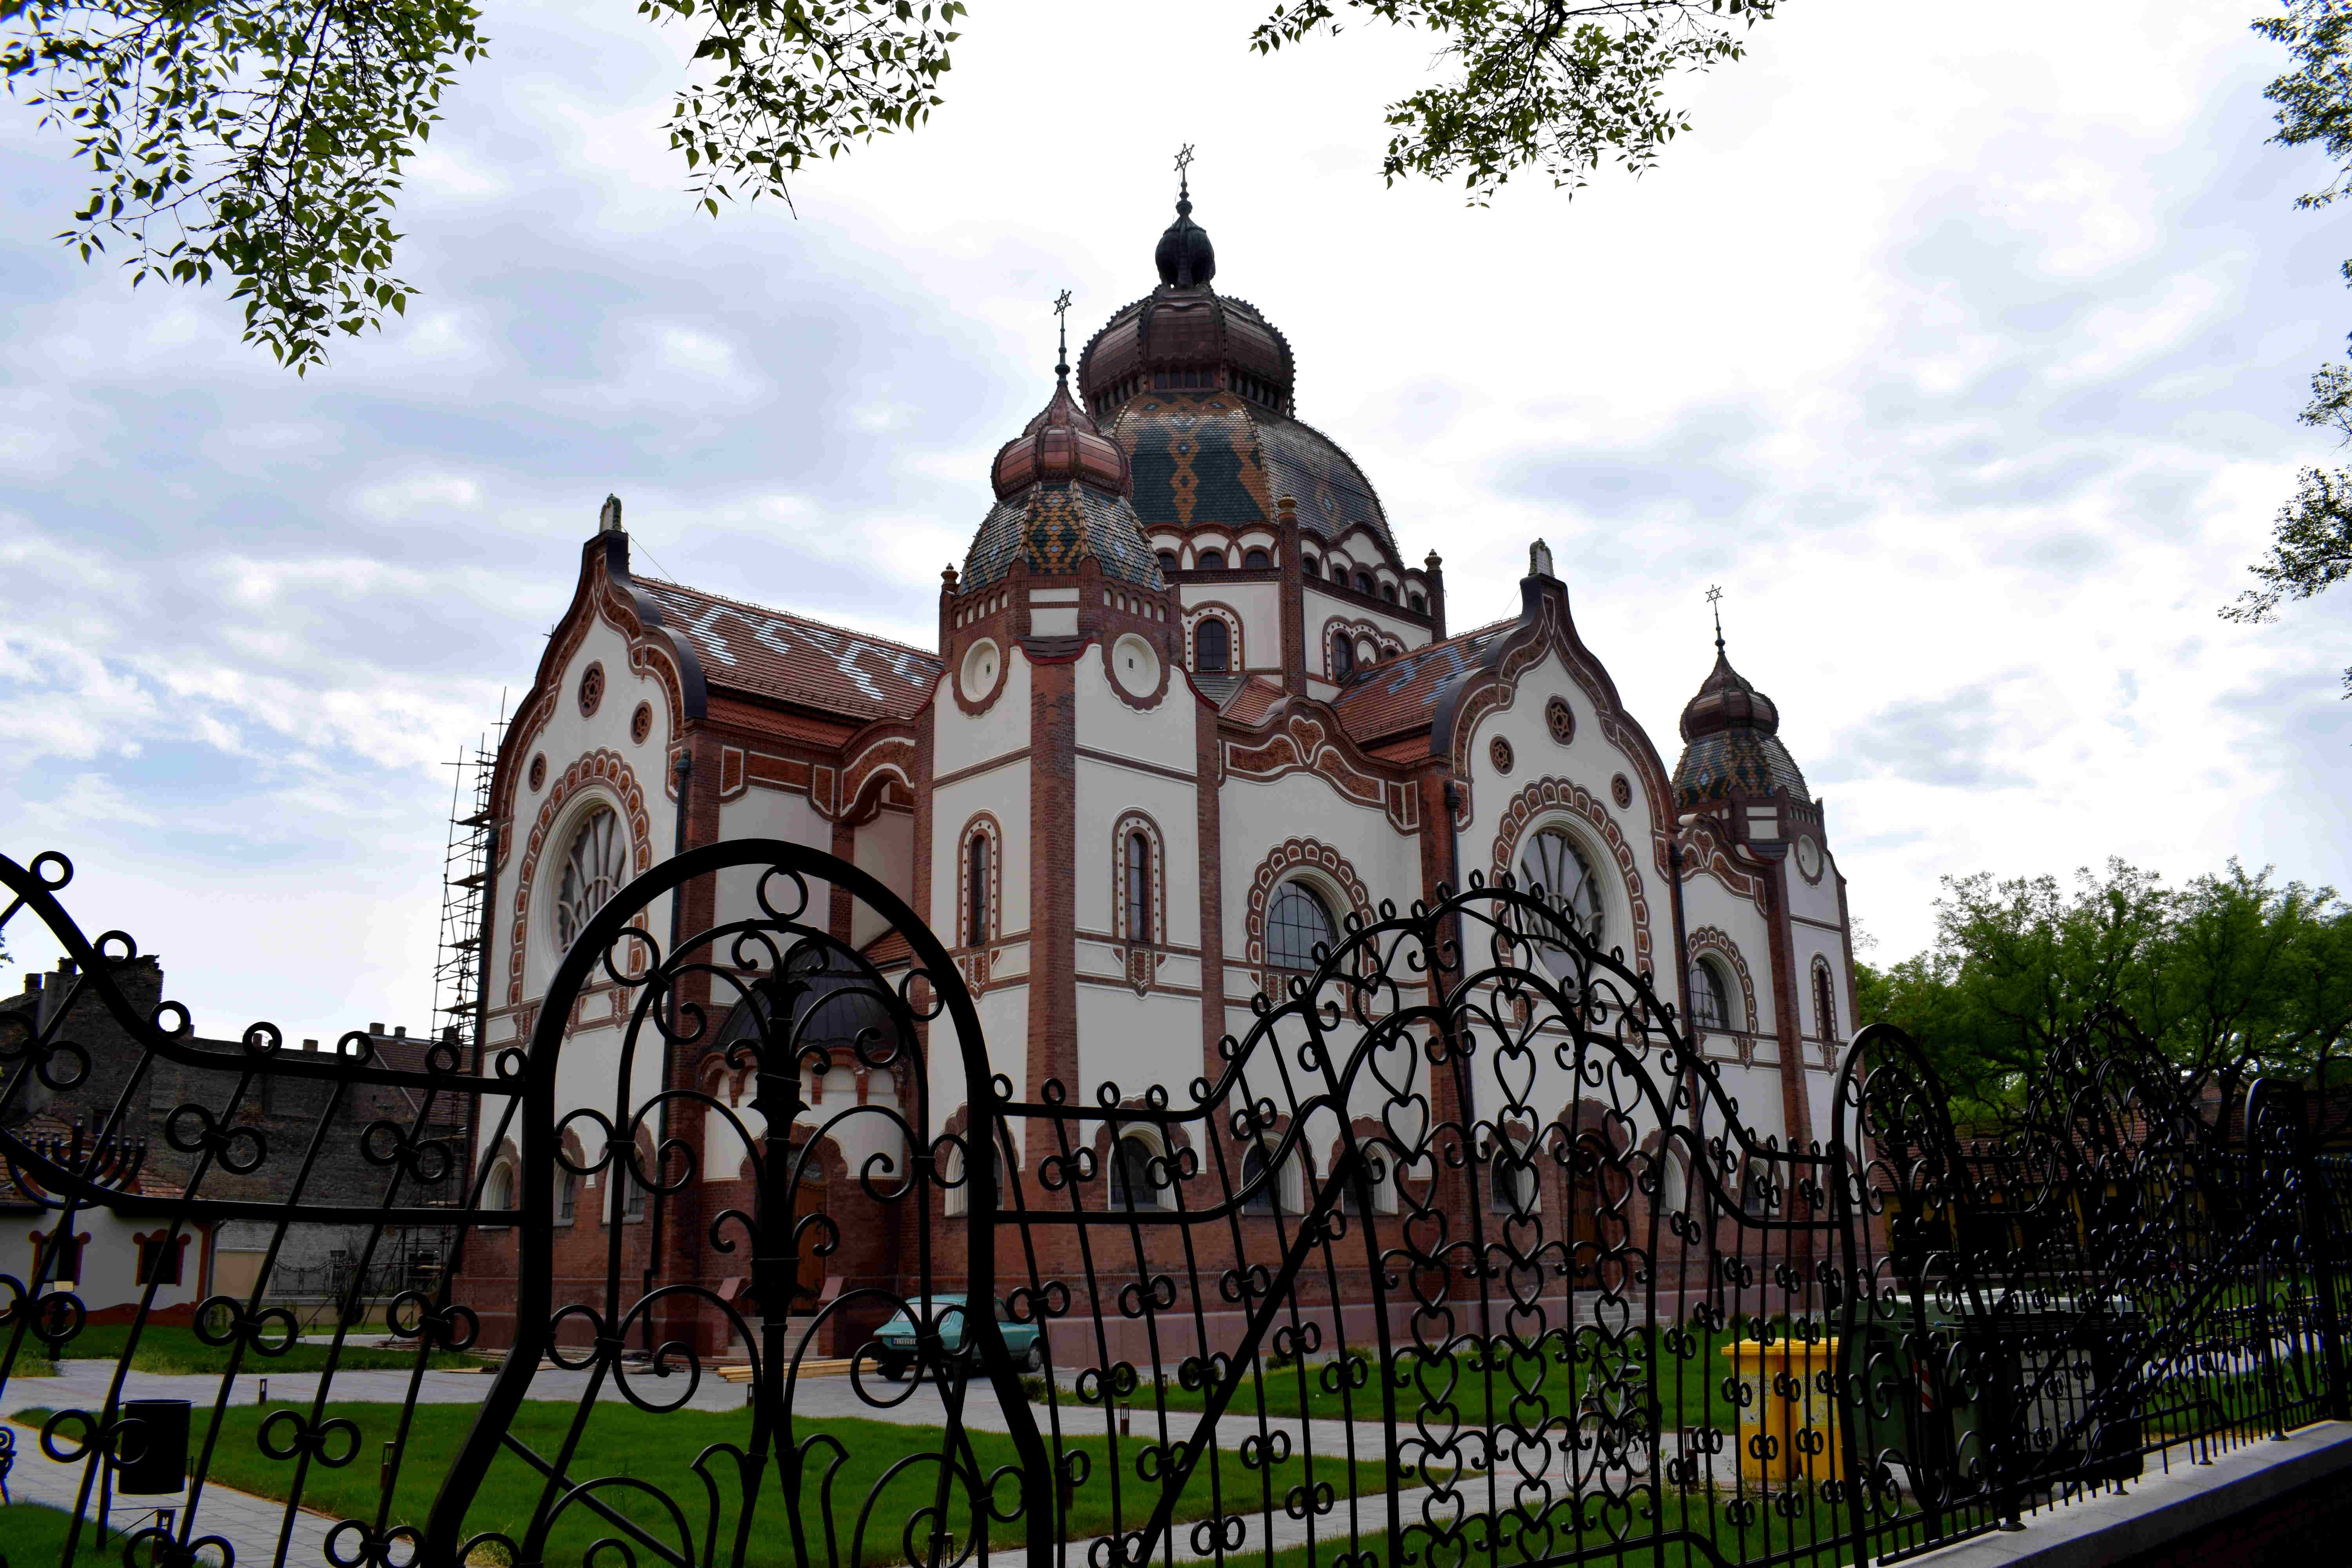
1062,329
1183,161
1714,600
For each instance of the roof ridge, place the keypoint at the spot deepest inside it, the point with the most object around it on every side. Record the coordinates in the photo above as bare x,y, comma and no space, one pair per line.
789,615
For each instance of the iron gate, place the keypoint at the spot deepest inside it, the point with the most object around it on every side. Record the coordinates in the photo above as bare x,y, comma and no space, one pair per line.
1460,1251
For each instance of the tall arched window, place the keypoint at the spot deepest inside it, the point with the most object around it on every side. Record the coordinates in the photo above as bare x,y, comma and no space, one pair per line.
1139,886
1212,647
499,1192
1518,1186
1710,998
1343,658
1825,1002
593,869
567,1193
1294,922
1133,1182
976,871
1210,560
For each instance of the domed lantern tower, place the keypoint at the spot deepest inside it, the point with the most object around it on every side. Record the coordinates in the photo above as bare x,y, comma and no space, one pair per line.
1262,521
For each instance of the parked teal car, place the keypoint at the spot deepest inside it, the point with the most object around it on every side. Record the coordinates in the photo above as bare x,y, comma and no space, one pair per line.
896,1347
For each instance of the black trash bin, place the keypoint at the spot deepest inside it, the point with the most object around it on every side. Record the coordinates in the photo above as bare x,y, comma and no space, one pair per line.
154,1458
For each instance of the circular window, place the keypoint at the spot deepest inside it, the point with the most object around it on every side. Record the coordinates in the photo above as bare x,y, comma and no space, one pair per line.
593,869
1499,751
640,722
1809,857
592,690
1554,861
981,668
538,771
1620,790
1135,666
1560,719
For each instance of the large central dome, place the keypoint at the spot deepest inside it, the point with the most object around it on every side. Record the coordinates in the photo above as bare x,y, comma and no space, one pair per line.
1195,386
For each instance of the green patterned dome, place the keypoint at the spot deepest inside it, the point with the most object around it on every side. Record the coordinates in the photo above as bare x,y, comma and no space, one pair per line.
1061,500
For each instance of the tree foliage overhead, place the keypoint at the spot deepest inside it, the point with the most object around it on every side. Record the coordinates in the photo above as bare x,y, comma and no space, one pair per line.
2231,975
1561,84
256,139
2311,540
263,141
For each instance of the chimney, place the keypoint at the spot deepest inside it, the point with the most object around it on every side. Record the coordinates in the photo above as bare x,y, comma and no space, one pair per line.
375,1028
400,1031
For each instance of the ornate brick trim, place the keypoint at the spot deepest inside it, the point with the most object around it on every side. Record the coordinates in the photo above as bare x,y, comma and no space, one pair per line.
1559,795
600,767
983,825
1305,743
1236,658
1139,959
1386,644
1703,852
1715,941
1322,864
891,757
1106,645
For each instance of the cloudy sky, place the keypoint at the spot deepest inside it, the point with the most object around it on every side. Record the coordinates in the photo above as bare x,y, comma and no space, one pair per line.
1961,348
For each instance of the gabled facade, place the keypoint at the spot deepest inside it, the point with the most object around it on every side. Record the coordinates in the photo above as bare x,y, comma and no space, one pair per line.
1188,710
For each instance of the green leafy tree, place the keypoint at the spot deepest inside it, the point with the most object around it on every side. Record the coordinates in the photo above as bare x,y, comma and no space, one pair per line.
2231,975
2311,542
1563,86
263,141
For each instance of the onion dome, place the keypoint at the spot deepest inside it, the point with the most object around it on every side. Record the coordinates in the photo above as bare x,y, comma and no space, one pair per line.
1060,444
1195,386
1061,500
1731,743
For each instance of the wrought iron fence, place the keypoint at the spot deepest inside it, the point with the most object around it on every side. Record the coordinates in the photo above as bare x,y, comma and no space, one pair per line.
1459,1253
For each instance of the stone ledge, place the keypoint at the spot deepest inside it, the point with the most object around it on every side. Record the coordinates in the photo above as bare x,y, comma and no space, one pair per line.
2114,1528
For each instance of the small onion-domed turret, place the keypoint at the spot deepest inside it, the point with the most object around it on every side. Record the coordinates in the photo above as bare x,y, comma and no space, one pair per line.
1062,444
1185,256
1731,743
1061,500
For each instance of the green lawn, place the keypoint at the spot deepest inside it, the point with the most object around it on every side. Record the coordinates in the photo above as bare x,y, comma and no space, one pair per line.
33,1537
164,1349
1687,1391
868,1483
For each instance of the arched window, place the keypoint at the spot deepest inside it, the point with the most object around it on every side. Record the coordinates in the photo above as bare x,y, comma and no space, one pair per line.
1517,1186
1210,560
567,1193
499,1192
1256,560
1168,561
1552,859
1419,605
593,869
1388,592
1139,886
1212,647
1380,1177
1363,582
1343,658
1294,922
1134,1184
976,871
1825,1002
1282,1191
1312,567
1709,996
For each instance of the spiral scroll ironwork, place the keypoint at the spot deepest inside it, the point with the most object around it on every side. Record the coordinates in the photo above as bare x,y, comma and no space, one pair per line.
1460,1251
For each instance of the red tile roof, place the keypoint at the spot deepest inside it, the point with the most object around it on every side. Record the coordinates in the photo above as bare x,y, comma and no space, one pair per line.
1254,700
750,648
1401,694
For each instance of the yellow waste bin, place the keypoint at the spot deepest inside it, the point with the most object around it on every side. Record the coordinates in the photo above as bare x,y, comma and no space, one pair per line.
1787,1426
